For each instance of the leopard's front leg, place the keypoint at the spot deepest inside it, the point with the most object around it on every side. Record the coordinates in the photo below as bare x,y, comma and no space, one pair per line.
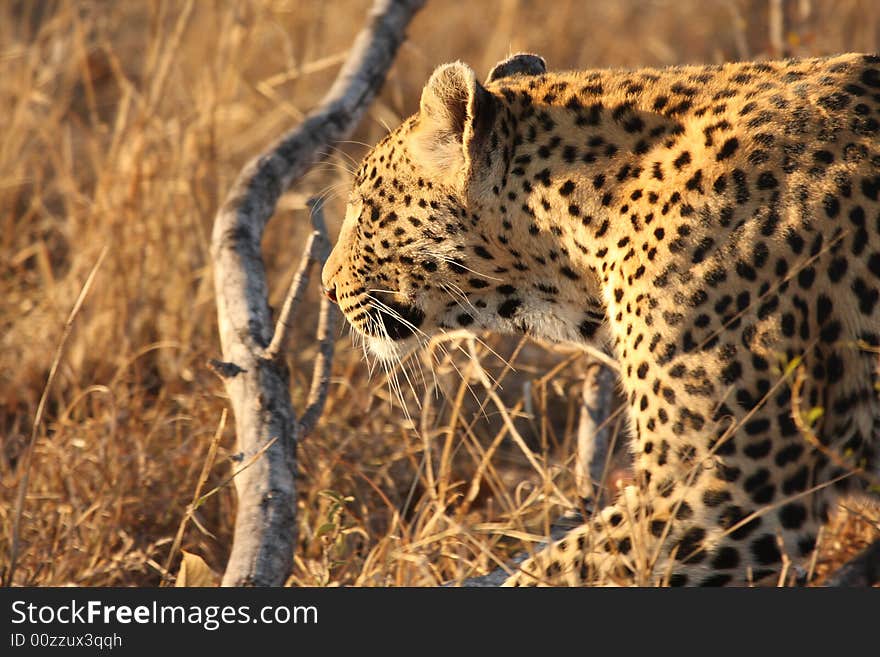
598,552
635,541
724,492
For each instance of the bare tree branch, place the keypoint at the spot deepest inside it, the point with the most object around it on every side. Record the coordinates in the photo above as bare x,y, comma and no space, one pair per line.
258,386
321,372
594,430
317,249
326,326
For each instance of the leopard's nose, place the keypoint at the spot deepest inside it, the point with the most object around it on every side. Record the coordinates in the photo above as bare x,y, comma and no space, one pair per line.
328,276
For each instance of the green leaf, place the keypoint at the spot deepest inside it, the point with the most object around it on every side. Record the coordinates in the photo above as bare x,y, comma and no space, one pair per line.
814,414
792,365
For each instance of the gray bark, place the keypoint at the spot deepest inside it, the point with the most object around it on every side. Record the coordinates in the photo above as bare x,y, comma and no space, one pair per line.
256,379
594,430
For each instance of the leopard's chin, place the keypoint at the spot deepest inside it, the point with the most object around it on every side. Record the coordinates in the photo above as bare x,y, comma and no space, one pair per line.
389,351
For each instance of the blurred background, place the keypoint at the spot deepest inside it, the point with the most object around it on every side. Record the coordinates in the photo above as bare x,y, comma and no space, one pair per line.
124,124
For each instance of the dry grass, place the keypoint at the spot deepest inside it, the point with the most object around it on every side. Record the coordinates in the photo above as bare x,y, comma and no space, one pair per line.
124,124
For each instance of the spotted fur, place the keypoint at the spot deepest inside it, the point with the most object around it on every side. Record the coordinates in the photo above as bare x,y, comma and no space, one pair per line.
720,225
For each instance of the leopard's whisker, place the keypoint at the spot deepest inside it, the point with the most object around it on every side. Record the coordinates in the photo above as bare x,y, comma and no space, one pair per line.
453,261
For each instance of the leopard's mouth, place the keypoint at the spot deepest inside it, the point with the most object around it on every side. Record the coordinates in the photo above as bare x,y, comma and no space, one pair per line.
392,320
386,323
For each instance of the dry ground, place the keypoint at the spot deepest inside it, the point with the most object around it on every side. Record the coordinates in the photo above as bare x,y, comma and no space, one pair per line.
123,126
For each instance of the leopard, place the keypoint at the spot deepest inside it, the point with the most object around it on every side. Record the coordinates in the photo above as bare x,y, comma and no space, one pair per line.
717,227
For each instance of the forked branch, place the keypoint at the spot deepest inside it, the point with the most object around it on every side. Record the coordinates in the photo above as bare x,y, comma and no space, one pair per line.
255,377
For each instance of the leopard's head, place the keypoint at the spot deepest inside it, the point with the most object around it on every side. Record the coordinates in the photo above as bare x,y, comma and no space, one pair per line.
427,245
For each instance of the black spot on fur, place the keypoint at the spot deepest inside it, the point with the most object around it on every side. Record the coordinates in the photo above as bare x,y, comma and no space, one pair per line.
727,149
507,308
765,550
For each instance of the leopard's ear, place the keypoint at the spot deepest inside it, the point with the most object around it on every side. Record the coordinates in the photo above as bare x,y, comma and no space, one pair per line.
455,120
523,63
